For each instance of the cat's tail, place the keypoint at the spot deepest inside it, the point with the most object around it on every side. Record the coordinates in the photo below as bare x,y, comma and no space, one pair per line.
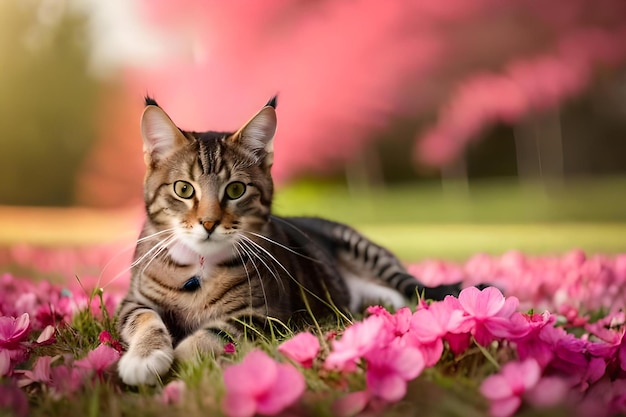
367,259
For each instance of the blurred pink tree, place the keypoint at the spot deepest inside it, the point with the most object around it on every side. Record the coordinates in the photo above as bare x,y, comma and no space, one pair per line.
345,70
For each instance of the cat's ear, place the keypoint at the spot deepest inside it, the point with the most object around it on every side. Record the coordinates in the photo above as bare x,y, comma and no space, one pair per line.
257,135
160,135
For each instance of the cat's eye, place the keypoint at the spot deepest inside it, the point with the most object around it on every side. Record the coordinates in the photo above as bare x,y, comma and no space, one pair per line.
234,190
183,189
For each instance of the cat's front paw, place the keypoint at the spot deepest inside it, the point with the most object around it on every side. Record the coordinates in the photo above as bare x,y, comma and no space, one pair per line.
197,344
135,369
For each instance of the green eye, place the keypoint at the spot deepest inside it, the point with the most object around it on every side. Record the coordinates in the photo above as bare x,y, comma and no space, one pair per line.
183,189
234,190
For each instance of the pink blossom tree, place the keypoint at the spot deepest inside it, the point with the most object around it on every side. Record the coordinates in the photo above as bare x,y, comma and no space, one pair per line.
344,71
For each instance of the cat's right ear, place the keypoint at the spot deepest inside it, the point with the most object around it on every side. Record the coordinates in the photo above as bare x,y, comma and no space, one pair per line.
161,137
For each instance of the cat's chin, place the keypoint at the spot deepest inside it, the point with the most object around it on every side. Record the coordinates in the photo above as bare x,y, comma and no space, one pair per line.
213,251
183,253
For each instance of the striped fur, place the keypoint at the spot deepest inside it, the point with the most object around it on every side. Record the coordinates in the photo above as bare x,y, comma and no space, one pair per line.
212,258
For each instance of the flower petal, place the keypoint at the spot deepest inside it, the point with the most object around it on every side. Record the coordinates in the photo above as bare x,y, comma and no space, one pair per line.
235,405
302,348
496,387
505,407
46,335
254,376
490,302
389,387
468,299
529,372
288,387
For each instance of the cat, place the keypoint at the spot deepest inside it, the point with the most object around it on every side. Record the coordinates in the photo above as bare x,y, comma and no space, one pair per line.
212,259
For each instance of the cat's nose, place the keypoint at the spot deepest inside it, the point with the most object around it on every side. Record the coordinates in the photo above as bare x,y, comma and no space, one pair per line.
209,225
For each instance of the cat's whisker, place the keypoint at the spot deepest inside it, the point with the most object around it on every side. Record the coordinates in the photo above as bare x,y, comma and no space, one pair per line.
271,257
161,247
156,247
129,267
108,264
253,249
143,239
272,241
237,251
252,253
267,253
236,248
290,225
134,263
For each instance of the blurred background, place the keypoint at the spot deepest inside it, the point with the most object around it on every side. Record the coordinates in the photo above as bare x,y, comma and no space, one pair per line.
440,129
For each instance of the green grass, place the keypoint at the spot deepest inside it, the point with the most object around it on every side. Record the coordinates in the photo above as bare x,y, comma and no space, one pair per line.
483,202
427,221
458,242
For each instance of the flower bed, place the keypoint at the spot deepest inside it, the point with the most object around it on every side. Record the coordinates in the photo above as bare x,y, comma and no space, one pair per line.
555,341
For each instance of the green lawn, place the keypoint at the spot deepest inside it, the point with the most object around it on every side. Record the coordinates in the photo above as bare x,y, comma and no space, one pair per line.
418,221
485,202
460,241
415,221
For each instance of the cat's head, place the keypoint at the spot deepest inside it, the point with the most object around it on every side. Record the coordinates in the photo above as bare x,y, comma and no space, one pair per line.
207,187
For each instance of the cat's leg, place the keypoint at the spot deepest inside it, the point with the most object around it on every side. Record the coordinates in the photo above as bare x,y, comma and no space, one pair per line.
365,292
150,353
209,339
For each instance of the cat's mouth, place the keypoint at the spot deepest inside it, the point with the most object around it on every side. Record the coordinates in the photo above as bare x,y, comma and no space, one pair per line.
215,237
212,236
205,240
210,245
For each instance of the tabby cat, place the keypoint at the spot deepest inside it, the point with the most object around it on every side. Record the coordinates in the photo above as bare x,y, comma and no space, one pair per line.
212,259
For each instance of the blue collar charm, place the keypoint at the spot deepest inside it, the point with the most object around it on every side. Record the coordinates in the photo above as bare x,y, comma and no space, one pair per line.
192,284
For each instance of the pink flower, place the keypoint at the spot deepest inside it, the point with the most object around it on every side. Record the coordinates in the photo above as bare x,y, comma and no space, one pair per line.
172,393
99,359
438,319
532,345
12,333
230,348
46,337
302,348
105,338
55,313
356,341
493,316
260,385
430,325
389,369
458,336
458,343
66,379
39,373
506,388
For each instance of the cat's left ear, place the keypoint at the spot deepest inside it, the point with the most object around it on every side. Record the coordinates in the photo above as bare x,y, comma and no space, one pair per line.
257,135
